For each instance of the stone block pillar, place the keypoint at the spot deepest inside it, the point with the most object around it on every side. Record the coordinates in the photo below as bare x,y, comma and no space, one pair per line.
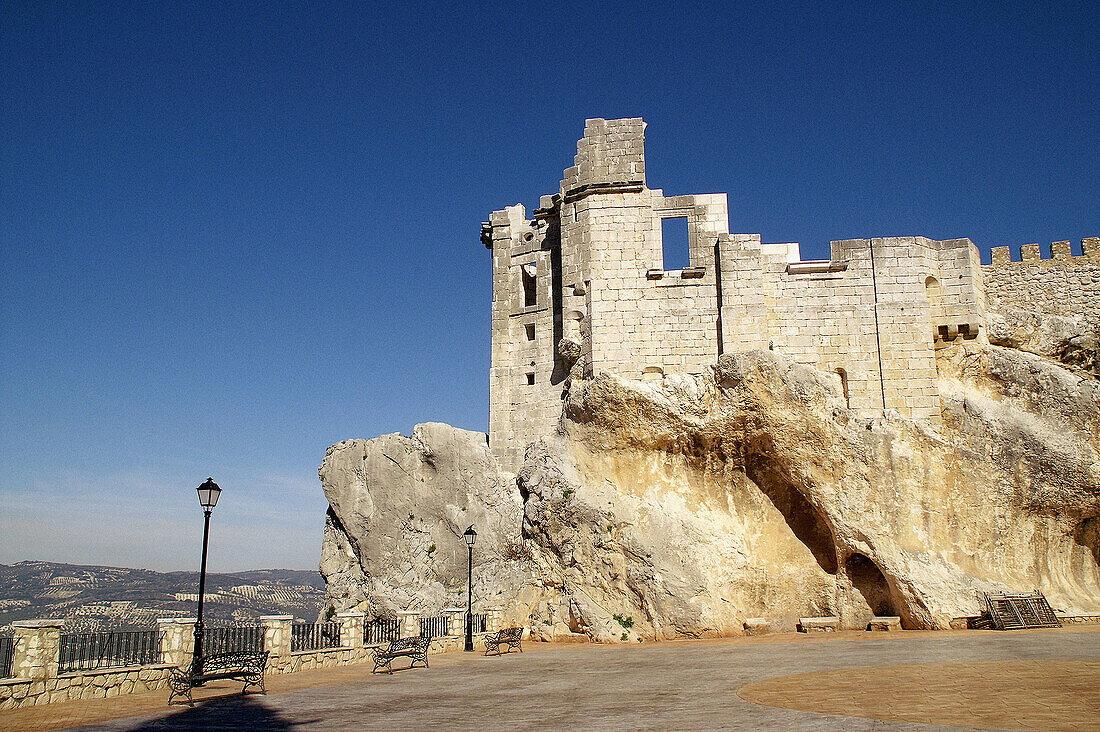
36,649
492,619
177,641
351,629
457,623
277,634
410,623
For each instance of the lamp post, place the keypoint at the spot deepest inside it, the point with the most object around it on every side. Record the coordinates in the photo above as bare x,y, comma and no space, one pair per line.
208,498
470,537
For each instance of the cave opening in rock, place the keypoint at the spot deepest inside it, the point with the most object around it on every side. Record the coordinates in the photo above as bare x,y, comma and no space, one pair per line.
804,520
871,583
1087,536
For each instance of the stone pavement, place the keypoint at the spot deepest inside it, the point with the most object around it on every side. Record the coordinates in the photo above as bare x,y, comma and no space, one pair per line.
1046,679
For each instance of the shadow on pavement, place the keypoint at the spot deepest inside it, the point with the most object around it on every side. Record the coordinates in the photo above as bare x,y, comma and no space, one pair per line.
223,713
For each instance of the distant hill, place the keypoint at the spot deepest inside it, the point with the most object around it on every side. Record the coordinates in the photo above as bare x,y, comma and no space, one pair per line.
91,597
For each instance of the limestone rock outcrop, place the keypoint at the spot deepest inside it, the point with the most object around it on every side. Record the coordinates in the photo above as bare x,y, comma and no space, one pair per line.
683,506
1069,339
397,509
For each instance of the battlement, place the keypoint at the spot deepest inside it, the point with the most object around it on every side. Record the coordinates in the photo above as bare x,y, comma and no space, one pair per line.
1059,252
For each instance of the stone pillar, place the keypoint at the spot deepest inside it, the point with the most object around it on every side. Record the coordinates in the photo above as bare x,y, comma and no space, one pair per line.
351,629
36,649
410,623
457,623
492,619
177,641
277,634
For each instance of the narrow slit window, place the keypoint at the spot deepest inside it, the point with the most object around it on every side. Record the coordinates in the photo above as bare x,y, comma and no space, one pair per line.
530,378
844,387
530,329
675,251
529,274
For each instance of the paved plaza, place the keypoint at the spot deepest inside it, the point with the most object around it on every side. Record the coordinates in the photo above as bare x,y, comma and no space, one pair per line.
846,681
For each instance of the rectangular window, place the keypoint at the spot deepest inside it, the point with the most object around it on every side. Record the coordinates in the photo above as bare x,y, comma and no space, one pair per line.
530,379
530,328
675,249
529,274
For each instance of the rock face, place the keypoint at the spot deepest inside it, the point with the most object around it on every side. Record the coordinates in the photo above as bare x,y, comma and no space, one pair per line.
683,507
1069,339
397,509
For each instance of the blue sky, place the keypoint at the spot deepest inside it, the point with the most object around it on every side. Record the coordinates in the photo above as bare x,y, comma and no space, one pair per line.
234,234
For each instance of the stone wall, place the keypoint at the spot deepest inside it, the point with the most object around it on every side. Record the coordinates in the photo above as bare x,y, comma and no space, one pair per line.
582,288
36,679
1061,284
98,684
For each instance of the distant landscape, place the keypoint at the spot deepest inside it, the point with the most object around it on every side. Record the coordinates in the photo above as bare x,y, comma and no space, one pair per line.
94,598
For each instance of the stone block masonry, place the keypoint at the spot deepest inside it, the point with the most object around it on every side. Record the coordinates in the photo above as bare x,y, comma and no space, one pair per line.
582,287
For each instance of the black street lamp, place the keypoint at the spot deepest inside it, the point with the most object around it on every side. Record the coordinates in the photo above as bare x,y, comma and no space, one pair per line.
208,498
470,536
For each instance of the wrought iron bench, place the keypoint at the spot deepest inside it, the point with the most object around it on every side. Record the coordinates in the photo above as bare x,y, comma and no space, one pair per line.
414,648
241,666
510,637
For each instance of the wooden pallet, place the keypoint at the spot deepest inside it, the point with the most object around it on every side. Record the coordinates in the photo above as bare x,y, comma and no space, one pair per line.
1014,612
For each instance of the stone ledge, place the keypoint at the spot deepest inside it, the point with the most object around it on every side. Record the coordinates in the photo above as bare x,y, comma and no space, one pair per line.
294,654
13,682
116,670
38,623
885,623
818,625
757,626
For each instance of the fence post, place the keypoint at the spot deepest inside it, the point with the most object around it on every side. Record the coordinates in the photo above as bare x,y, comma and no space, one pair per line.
177,641
351,629
277,634
36,649
410,623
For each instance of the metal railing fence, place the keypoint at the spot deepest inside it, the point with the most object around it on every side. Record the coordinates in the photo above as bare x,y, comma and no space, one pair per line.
435,627
87,651
314,636
233,639
7,651
381,630
478,621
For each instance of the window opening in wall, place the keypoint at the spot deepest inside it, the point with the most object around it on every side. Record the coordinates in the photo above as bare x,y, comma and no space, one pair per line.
844,386
675,251
528,273
530,378
933,290
530,329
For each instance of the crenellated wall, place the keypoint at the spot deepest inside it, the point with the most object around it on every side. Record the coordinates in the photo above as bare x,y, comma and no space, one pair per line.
1060,284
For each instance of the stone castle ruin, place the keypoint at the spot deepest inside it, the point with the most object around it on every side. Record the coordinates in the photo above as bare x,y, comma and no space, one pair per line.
748,440
582,288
